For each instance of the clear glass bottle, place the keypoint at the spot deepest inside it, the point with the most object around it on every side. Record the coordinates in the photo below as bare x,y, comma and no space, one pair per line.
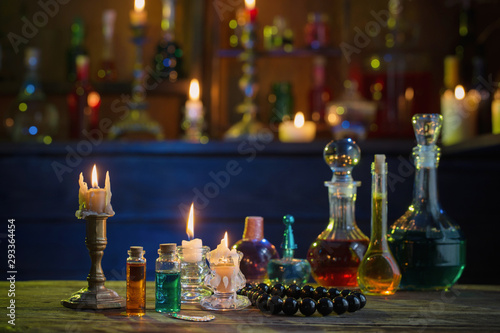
289,270
168,279
136,281
257,251
428,246
83,102
337,252
378,273
31,118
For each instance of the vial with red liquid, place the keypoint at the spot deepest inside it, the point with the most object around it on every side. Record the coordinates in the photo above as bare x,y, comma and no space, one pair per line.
336,253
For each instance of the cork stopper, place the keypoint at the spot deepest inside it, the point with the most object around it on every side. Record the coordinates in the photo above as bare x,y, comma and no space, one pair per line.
379,163
167,248
254,228
136,251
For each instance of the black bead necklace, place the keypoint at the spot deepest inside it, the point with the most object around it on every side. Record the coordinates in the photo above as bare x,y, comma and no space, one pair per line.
307,299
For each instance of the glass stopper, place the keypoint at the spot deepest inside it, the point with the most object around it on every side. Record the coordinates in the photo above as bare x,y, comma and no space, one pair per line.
341,156
427,128
288,239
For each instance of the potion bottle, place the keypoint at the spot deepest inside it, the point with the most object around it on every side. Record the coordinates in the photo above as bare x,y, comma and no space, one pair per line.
289,270
428,246
136,282
337,252
257,251
378,273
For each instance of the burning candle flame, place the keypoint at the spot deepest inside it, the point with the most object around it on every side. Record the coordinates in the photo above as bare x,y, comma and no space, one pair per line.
225,239
190,223
299,120
94,178
194,90
459,92
250,4
139,5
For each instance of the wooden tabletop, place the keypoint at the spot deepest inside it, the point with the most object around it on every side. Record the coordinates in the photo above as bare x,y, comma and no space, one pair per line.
464,308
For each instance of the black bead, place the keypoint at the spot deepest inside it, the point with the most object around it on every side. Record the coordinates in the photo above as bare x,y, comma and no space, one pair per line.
324,306
307,306
319,293
264,287
262,302
354,303
340,305
290,306
333,292
307,291
275,304
248,286
255,295
293,291
250,293
362,299
278,289
345,292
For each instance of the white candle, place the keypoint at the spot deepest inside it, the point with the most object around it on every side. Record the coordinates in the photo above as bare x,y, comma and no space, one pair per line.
194,107
224,262
96,195
192,249
138,16
459,111
297,131
495,113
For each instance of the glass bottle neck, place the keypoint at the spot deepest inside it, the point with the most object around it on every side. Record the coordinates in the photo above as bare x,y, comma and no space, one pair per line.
342,224
425,195
378,238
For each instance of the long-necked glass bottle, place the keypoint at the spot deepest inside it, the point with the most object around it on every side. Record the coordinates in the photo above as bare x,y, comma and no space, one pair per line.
378,273
428,246
337,252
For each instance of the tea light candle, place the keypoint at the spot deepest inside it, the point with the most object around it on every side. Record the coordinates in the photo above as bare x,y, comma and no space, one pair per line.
194,107
191,250
297,131
225,265
138,16
459,111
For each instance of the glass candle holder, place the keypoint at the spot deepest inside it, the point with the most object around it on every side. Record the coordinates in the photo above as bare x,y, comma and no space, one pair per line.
194,268
224,280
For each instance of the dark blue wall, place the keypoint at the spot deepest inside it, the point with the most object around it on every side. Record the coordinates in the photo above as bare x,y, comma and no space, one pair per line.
150,181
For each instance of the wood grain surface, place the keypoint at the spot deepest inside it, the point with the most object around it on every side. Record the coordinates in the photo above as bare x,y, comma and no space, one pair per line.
464,308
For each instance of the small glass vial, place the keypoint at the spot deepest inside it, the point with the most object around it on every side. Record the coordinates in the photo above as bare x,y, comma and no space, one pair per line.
168,279
289,270
378,273
257,251
136,282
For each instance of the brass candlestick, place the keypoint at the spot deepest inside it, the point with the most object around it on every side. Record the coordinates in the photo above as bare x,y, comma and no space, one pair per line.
96,296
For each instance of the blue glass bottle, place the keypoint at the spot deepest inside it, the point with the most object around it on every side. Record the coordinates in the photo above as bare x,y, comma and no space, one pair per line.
289,270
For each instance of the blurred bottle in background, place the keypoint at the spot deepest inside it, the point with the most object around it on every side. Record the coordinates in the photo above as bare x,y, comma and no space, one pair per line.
31,118
83,102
